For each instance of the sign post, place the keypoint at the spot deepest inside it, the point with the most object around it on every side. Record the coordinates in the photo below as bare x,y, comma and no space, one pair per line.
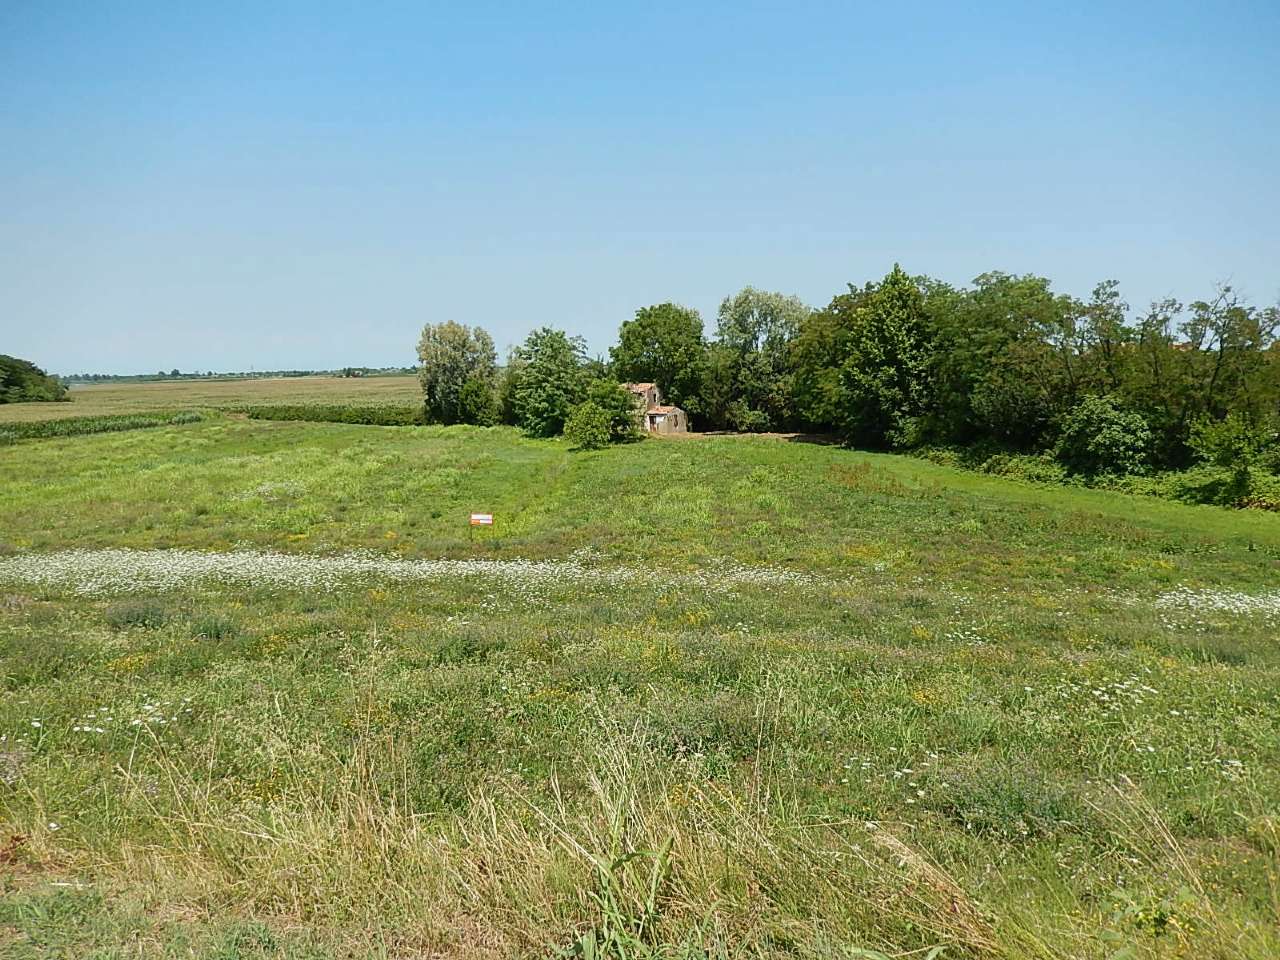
479,520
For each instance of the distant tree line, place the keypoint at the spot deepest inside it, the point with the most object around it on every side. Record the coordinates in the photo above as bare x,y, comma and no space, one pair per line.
1002,365
176,374
22,381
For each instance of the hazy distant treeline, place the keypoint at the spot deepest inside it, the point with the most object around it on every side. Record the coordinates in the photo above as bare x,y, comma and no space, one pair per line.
236,375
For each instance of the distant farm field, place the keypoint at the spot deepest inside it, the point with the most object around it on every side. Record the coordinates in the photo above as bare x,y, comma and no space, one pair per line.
115,398
267,693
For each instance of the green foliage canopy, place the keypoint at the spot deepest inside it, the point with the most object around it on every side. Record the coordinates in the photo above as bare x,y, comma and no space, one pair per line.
22,381
750,370
663,344
547,380
588,426
451,357
1099,437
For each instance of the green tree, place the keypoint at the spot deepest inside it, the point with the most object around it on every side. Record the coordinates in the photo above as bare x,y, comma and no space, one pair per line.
618,405
22,381
450,355
478,403
1106,340
815,358
588,426
998,374
548,380
718,385
508,378
663,344
1099,437
754,331
886,374
1205,362
1237,443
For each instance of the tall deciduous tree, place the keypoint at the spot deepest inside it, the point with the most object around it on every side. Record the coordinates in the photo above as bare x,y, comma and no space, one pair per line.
548,380
886,375
451,356
754,332
1002,360
663,344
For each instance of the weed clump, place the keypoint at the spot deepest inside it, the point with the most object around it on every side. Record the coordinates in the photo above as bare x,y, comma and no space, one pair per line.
214,627
1002,801
146,614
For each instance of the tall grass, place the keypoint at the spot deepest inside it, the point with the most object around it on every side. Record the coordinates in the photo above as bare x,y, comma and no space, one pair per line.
640,862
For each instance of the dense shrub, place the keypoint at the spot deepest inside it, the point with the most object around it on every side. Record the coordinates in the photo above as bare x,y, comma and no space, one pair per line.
1241,445
1100,438
1037,469
746,419
478,403
382,415
619,406
77,426
22,381
588,426
943,456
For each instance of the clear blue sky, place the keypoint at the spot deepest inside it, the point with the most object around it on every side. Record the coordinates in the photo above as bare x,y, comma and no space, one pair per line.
305,185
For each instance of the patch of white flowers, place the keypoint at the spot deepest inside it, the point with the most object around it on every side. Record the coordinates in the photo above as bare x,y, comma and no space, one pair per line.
1221,601
115,571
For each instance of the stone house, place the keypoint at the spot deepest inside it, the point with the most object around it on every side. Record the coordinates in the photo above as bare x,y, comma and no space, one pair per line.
655,416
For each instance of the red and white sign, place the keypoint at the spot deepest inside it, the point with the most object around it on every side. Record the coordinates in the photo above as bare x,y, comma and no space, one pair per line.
482,519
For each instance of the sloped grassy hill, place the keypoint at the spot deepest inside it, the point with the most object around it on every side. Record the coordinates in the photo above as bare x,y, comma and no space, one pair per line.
266,693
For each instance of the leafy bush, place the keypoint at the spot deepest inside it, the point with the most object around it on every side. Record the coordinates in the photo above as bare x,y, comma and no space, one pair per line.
381,415
942,456
619,405
1100,438
78,426
588,426
1036,469
746,419
478,403
1241,445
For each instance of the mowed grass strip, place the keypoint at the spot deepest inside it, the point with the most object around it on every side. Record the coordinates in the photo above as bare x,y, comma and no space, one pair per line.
981,730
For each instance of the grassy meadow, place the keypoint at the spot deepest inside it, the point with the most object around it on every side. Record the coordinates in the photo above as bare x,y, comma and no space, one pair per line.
266,694
125,398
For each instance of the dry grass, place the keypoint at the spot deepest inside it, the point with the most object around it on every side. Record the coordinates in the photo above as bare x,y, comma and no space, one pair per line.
646,863
98,399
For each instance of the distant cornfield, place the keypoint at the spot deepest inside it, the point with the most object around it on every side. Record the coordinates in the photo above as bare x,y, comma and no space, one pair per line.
169,396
